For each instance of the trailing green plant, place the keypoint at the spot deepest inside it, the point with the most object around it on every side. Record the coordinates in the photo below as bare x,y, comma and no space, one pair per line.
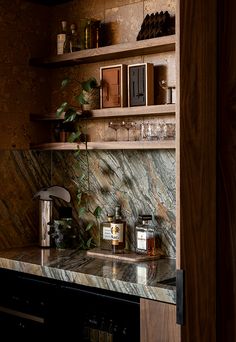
75,114
72,112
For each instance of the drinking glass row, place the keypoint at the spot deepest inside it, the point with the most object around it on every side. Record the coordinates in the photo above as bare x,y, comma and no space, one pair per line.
148,131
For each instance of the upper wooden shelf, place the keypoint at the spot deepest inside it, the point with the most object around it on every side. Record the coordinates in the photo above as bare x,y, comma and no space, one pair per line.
142,47
108,145
166,109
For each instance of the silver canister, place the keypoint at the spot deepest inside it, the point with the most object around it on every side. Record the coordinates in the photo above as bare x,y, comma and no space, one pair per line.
45,217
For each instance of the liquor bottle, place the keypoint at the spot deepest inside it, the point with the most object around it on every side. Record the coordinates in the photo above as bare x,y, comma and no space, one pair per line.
87,35
67,43
118,230
61,38
74,39
105,233
93,330
145,236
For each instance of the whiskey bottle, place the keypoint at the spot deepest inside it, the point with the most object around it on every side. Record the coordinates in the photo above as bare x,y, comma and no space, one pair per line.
118,230
145,236
105,233
61,38
74,39
87,35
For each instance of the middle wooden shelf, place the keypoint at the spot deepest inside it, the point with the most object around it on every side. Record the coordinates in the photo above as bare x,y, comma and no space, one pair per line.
107,145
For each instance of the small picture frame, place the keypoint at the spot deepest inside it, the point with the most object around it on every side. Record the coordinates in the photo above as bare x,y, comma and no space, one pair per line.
140,84
113,91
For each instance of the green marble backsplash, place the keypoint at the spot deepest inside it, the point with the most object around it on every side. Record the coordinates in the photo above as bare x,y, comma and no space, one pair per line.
140,181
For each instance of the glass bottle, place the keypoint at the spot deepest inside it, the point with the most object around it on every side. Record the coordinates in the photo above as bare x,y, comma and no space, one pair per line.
102,333
118,228
105,233
87,35
67,43
93,328
74,39
61,38
145,236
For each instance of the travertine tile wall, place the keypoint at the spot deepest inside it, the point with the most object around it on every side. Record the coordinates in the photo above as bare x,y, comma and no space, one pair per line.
24,89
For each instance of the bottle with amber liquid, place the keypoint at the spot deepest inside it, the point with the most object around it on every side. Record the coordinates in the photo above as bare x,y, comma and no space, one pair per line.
105,233
118,230
146,239
61,38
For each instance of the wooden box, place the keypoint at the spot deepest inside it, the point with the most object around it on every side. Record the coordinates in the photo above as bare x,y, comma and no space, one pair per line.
140,84
113,91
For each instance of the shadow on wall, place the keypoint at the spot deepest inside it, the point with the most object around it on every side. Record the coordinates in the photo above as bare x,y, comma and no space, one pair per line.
142,182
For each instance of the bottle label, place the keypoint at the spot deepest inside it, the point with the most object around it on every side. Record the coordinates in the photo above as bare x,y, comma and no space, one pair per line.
61,38
106,233
142,240
117,232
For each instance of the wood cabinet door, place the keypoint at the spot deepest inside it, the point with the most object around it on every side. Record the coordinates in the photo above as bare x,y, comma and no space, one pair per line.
158,322
196,58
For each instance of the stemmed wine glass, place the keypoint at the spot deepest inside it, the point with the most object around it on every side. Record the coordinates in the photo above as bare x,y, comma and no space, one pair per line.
128,125
114,125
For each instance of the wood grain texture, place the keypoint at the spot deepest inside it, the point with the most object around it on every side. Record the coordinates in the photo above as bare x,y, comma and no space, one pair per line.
227,173
196,165
116,112
158,322
109,145
154,45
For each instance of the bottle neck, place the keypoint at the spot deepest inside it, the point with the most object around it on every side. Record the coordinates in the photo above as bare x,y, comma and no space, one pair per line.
64,26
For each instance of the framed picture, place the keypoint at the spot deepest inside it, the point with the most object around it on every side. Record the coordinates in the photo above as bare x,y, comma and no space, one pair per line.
113,91
140,84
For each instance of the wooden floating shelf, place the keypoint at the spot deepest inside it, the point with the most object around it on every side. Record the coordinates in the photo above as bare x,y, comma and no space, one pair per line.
108,145
124,50
166,109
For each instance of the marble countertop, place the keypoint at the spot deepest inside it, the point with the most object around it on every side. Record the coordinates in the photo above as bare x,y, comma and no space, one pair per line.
140,278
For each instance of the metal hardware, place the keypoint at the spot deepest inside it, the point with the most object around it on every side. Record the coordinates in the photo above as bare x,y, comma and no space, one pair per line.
180,297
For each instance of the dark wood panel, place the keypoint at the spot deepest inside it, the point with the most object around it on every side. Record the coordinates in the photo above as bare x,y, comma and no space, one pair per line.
158,322
196,208
227,173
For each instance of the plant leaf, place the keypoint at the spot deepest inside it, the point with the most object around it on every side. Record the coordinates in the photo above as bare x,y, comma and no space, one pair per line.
97,212
70,115
79,197
89,226
65,82
88,243
89,84
80,99
81,211
74,136
77,153
61,109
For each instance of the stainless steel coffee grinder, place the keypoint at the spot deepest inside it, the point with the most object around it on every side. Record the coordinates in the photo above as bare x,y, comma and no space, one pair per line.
45,197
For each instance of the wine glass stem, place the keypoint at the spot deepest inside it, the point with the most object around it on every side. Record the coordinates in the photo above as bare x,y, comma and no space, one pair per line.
128,134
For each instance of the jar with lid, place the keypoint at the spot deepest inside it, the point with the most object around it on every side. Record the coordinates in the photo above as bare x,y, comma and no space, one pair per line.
146,242
105,233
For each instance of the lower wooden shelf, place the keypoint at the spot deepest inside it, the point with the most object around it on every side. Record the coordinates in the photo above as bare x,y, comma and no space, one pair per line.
107,145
